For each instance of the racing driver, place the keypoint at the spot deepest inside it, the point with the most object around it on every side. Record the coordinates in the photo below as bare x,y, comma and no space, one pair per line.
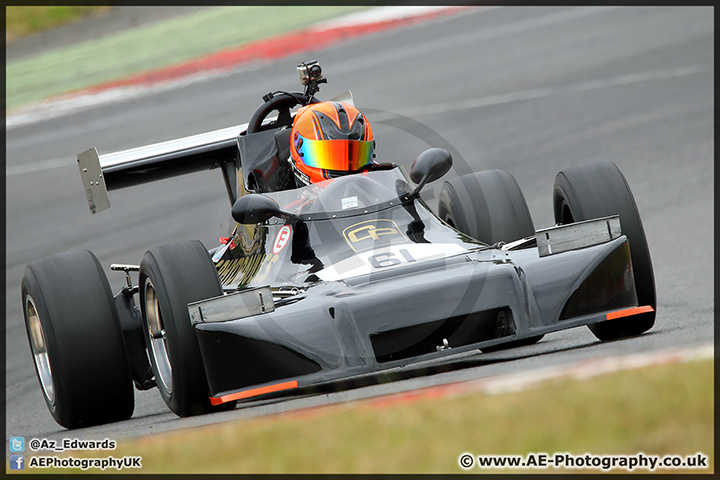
329,139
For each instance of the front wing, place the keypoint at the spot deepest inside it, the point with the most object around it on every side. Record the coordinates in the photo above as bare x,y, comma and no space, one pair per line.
340,329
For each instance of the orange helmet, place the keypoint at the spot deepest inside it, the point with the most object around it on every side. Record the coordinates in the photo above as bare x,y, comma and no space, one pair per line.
329,139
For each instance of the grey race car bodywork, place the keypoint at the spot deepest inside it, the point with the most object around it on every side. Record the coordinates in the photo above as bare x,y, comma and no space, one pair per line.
357,276
327,283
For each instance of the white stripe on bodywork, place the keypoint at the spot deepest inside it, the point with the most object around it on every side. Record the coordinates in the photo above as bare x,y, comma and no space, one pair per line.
403,254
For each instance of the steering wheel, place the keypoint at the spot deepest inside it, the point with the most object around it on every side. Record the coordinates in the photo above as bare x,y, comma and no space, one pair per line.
282,103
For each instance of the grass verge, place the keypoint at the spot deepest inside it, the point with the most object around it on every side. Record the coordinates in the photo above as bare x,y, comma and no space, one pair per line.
26,20
154,46
658,410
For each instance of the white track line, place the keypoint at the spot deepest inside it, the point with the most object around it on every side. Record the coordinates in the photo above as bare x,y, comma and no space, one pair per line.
68,104
590,368
381,14
73,103
515,382
539,93
39,166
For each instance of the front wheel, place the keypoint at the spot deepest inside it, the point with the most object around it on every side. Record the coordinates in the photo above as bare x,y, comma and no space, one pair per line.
171,276
76,340
599,189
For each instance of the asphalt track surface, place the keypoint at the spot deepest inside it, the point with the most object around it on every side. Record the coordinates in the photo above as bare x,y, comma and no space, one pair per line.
529,90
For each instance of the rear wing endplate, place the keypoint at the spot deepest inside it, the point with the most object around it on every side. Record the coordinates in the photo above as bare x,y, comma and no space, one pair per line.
112,171
93,181
206,151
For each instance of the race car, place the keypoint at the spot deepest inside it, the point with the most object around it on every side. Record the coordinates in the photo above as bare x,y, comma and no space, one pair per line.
329,281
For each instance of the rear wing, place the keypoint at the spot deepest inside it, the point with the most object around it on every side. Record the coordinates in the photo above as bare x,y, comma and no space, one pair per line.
264,159
113,171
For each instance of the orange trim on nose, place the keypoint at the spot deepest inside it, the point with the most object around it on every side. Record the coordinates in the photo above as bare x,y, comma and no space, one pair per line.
629,311
254,392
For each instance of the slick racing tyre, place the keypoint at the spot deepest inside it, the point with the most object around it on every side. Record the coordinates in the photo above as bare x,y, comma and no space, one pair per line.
599,189
76,340
171,276
488,206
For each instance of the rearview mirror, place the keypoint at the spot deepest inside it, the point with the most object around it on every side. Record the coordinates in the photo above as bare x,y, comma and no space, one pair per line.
429,166
254,208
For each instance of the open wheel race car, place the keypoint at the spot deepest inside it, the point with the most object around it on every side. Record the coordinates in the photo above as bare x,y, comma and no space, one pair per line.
342,278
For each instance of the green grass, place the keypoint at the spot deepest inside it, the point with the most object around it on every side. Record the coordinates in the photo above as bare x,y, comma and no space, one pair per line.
153,46
23,21
659,410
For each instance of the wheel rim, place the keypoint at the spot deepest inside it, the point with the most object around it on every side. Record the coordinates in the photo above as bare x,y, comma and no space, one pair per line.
38,344
566,216
158,338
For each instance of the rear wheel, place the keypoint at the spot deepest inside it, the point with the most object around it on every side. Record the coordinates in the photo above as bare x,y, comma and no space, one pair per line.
171,276
76,340
488,206
599,189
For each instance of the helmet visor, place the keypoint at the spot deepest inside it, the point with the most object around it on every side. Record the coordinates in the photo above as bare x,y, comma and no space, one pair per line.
343,155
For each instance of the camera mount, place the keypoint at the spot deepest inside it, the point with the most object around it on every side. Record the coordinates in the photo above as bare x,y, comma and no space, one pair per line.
311,77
